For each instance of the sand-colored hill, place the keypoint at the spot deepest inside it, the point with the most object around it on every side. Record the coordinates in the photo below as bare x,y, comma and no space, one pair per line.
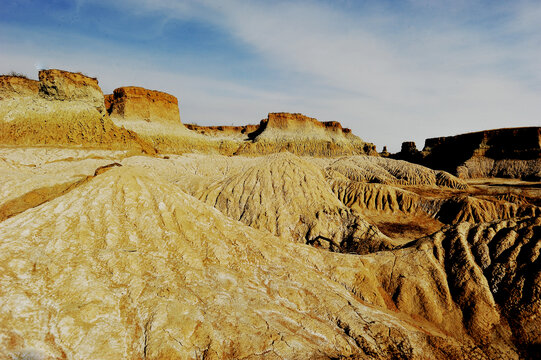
290,198
125,265
128,266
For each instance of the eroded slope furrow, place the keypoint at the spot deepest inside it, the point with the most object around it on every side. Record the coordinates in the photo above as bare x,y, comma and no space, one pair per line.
388,171
128,266
476,279
290,198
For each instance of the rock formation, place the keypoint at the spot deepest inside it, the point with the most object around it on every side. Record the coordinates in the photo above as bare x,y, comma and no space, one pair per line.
16,86
236,131
137,103
513,152
67,110
290,198
303,135
299,247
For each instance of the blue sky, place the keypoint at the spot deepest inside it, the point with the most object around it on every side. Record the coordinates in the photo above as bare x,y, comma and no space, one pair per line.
391,70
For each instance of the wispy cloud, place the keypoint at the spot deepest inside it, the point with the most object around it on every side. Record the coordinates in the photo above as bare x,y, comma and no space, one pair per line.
390,72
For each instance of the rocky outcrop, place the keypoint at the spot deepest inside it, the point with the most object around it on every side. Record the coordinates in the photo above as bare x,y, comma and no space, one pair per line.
16,86
513,152
303,135
373,169
137,103
68,86
67,110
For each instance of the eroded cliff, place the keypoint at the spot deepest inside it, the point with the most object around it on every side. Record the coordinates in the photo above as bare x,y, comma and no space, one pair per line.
67,110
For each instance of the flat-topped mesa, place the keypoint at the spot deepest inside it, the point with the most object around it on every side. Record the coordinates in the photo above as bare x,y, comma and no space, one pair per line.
63,85
137,103
509,143
16,86
288,121
295,125
508,152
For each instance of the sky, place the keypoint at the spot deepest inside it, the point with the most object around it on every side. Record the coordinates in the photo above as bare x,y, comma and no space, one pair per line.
392,71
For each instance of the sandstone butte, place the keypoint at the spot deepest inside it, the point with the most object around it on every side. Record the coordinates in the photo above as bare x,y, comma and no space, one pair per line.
126,235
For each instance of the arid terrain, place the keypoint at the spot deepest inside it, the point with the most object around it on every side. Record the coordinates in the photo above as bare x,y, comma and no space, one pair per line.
126,234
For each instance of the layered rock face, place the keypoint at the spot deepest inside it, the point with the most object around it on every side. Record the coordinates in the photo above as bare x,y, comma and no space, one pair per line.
514,152
67,110
137,103
303,135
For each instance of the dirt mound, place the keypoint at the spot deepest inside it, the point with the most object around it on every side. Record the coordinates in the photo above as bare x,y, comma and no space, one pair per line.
129,266
290,198
467,208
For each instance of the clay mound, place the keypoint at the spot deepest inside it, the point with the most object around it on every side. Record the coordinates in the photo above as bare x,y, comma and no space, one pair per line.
388,171
382,198
31,177
290,198
401,213
303,135
68,111
128,266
